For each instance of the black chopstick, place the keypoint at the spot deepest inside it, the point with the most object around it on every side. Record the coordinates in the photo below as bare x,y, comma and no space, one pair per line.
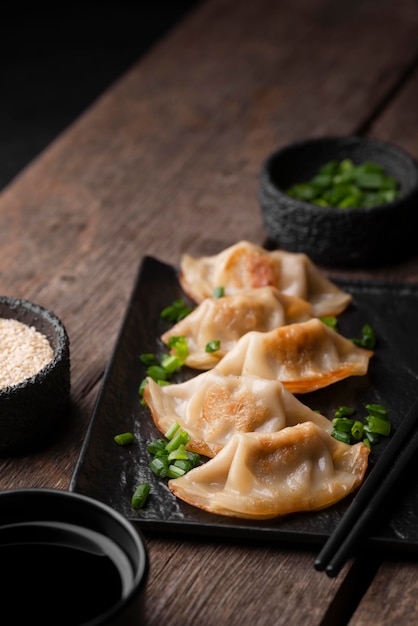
367,503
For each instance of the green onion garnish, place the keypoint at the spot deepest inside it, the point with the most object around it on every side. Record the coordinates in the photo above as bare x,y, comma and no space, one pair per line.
159,465
140,495
218,292
171,459
350,430
169,363
344,184
344,411
213,346
176,311
368,338
124,439
330,320
180,346
180,438
157,372
148,359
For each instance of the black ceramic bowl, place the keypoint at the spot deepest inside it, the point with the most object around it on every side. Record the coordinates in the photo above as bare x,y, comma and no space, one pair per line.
349,237
33,410
71,560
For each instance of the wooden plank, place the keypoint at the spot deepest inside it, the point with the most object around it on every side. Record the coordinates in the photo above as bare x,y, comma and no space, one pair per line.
391,598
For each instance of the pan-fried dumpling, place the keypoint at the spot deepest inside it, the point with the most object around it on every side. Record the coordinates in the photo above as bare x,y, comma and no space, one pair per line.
246,266
267,475
304,357
212,408
228,318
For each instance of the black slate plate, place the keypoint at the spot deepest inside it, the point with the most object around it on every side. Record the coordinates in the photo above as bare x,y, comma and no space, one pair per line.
110,473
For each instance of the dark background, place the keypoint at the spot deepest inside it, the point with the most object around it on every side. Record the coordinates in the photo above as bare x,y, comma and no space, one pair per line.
56,60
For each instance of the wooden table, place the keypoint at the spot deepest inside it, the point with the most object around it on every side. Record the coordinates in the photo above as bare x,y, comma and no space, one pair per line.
167,161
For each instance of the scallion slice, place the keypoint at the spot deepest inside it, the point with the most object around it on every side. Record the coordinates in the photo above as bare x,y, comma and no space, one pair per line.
218,292
124,439
180,438
169,434
213,346
159,465
176,311
140,495
377,425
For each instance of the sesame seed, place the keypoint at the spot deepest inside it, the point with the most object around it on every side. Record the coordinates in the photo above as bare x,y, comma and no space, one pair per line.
24,351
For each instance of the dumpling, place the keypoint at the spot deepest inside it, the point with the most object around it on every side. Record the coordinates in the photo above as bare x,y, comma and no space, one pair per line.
228,318
304,357
267,475
246,266
212,407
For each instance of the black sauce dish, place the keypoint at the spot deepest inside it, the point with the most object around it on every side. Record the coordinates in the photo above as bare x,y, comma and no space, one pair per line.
33,410
71,560
339,237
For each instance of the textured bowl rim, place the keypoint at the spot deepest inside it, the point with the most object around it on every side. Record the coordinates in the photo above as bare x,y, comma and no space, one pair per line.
34,504
19,305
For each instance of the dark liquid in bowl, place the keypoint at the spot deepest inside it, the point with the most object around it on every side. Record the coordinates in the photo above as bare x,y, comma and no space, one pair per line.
60,584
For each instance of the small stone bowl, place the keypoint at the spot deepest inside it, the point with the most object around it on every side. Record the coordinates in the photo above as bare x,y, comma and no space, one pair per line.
336,237
33,410
69,559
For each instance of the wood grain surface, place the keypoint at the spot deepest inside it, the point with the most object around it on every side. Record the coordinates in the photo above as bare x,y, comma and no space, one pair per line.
167,161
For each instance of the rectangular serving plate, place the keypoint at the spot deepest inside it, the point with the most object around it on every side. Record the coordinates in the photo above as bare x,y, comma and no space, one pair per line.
110,473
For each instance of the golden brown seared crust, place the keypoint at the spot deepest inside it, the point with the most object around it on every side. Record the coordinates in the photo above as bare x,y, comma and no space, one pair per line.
304,356
267,475
212,407
228,318
245,266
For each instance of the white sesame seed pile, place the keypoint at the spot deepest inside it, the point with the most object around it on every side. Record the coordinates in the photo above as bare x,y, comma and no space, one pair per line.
23,352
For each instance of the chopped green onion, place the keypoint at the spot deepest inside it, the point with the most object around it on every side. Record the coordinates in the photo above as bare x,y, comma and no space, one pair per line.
330,320
341,435
345,184
184,464
159,465
178,453
140,495
377,426
179,344
148,358
181,437
366,442
344,411
174,471
377,409
357,430
157,372
368,338
176,311
170,364
169,434
350,430
194,458
124,439
142,386
218,292
213,346
156,445
373,438
343,424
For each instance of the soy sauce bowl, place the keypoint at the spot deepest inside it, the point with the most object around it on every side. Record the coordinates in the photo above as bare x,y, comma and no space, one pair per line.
74,561
331,236
34,409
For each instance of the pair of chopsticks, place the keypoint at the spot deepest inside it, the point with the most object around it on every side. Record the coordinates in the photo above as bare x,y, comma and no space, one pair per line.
367,503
